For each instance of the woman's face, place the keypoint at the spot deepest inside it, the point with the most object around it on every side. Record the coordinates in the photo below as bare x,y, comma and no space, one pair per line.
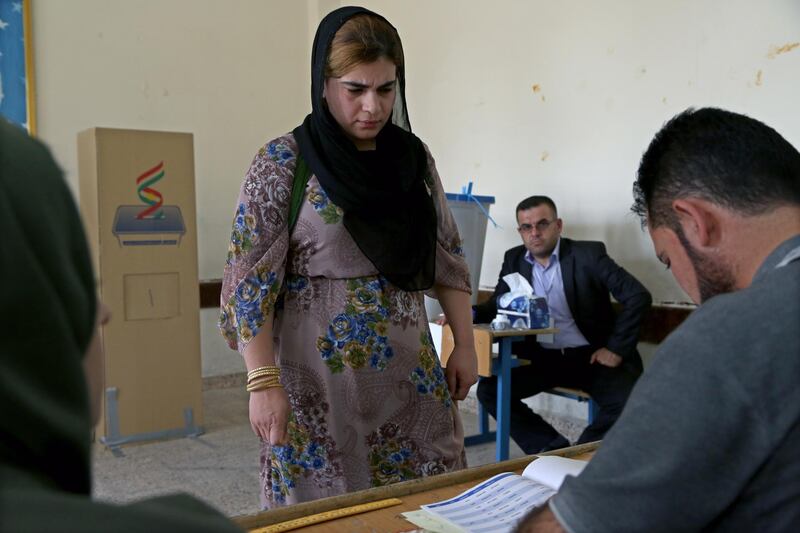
361,100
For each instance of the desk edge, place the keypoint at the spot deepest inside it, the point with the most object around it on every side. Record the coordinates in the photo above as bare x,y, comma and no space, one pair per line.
404,488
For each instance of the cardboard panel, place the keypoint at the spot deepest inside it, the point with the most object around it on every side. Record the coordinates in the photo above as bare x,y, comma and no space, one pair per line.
152,296
483,349
138,201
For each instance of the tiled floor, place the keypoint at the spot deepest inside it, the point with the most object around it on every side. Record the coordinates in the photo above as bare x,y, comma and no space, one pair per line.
221,466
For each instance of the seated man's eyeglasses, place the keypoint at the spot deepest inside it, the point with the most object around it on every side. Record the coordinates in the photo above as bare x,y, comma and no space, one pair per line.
540,226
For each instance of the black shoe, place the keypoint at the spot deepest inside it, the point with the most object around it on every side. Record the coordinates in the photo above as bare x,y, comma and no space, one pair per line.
555,444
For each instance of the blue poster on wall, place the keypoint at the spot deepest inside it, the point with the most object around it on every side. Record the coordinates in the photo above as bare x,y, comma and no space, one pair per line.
15,80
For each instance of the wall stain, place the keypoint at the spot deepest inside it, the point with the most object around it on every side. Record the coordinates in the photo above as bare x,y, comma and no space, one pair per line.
775,51
537,89
664,100
545,155
759,79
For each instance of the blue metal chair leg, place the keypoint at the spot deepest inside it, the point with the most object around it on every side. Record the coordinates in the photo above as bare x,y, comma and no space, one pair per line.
592,411
503,399
483,419
484,434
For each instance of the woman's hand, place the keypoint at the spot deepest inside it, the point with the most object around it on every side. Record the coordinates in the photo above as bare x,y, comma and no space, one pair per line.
462,366
462,370
269,414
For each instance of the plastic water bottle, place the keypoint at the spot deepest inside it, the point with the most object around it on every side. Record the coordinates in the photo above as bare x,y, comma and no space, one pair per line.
500,322
520,323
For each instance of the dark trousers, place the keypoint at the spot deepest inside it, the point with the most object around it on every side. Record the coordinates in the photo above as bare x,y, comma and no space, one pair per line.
608,387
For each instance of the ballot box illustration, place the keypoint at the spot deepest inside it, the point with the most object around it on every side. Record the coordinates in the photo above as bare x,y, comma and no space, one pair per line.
150,223
137,198
134,231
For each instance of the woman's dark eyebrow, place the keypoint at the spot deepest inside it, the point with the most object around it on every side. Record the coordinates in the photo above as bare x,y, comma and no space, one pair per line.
359,85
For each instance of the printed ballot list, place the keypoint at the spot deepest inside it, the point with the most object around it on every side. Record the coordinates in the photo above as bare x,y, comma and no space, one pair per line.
497,504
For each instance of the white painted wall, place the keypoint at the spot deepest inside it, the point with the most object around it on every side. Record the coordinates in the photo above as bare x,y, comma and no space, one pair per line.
610,73
233,73
236,73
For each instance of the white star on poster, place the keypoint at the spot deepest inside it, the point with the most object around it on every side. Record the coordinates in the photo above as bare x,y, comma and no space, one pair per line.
3,24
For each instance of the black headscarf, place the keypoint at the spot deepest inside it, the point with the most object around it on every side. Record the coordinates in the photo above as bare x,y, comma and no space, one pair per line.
47,314
47,305
388,209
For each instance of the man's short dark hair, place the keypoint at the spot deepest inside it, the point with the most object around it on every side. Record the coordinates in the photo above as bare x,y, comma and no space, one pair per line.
726,158
536,201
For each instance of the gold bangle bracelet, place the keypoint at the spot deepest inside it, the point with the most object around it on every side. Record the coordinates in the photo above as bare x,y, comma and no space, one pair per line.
259,378
265,379
263,369
255,374
262,386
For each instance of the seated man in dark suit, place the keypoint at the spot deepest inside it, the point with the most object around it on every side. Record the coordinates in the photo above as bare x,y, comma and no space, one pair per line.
594,350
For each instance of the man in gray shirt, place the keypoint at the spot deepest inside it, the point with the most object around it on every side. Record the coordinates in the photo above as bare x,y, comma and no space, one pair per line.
710,436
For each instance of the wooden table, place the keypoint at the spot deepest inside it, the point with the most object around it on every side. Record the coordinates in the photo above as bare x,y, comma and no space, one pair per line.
499,366
412,493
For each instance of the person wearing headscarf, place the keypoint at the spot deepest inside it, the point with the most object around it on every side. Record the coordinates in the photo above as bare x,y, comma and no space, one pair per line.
347,391
50,357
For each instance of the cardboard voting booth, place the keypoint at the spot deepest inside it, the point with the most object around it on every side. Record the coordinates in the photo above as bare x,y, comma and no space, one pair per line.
138,202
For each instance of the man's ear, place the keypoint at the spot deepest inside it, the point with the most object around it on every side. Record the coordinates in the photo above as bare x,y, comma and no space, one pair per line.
699,220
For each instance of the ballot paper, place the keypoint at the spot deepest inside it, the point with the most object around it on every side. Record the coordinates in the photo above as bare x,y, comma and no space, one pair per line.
497,504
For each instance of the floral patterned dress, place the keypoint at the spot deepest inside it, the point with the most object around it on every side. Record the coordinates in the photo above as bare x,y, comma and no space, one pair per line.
369,400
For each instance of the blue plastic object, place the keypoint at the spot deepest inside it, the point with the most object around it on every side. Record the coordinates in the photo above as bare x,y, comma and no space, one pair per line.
459,197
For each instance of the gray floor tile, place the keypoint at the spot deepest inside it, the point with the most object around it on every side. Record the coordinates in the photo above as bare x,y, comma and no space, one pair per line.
221,466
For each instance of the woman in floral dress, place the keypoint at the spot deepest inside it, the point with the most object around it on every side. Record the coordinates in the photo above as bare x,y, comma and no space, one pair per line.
336,301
